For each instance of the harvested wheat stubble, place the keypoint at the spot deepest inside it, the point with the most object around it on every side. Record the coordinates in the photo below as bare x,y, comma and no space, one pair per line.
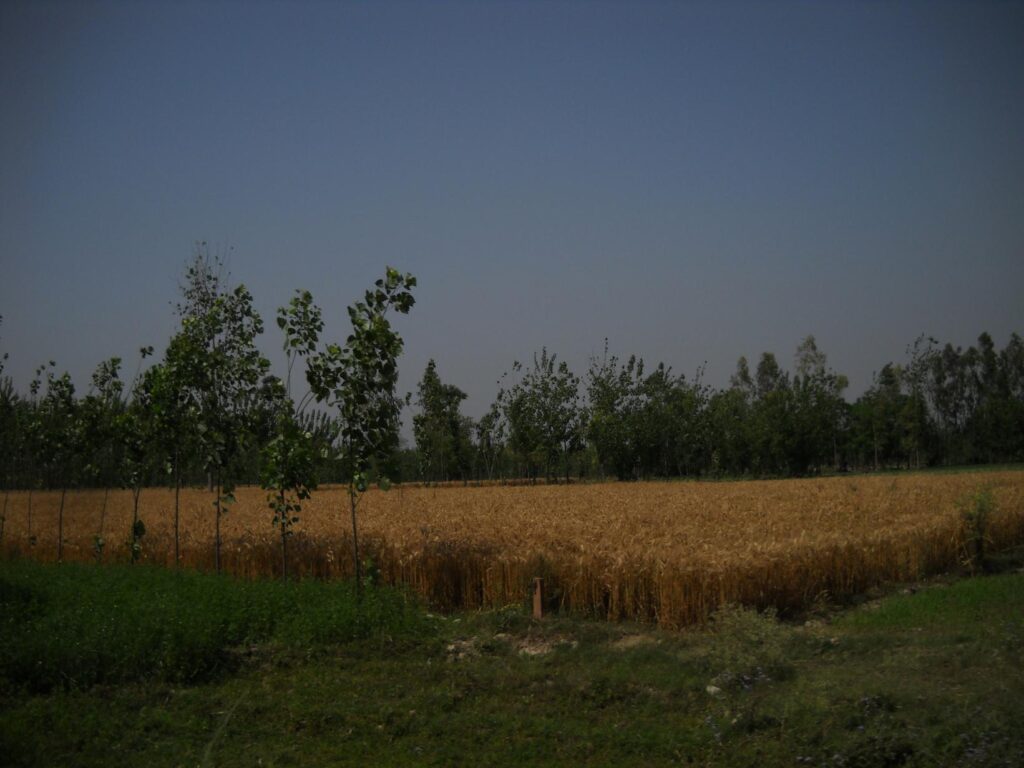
664,552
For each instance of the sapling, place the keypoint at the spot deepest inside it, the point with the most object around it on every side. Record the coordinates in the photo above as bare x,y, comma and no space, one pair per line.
288,461
359,380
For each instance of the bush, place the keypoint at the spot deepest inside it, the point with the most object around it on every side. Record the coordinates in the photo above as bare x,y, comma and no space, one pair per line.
747,647
73,626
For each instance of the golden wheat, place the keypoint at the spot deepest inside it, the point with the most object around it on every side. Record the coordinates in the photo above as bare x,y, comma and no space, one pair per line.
665,552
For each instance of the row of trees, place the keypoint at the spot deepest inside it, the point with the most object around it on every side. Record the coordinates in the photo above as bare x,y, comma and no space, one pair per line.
943,405
211,412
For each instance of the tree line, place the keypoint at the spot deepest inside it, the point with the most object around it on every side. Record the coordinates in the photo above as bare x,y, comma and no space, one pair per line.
210,411
941,406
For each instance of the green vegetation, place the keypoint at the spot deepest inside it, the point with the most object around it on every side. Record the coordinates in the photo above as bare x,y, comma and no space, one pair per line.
210,411
76,626
932,677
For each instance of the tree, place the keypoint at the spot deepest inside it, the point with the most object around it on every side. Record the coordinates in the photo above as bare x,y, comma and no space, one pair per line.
948,392
612,401
220,371
101,410
818,409
877,418
545,417
773,426
490,439
358,380
915,418
731,431
289,475
10,436
441,432
288,460
60,436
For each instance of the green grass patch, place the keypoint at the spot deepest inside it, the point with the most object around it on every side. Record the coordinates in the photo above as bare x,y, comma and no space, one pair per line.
933,678
961,604
74,626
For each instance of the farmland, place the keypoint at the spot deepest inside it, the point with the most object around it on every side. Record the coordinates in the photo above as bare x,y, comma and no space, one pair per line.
668,553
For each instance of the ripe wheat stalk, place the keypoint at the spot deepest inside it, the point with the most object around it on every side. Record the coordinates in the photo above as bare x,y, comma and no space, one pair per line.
663,552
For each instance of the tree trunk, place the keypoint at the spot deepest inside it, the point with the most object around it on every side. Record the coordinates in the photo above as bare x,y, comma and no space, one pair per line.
874,443
177,516
284,537
355,539
103,510
31,542
136,546
60,526
3,517
103,517
216,539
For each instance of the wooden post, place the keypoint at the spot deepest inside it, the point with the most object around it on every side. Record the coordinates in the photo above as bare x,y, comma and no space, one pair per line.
538,598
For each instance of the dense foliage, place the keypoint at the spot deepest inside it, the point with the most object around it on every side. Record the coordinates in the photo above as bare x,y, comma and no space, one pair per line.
211,412
942,406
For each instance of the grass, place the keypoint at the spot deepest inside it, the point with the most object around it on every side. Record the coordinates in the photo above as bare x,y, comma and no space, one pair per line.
933,678
75,626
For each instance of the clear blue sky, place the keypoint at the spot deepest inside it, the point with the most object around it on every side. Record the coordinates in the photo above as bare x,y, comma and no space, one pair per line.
693,181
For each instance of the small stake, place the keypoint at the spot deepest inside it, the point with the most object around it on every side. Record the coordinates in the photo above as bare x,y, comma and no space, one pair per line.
538,598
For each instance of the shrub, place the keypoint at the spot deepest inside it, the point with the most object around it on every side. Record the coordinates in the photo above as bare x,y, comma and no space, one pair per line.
747,647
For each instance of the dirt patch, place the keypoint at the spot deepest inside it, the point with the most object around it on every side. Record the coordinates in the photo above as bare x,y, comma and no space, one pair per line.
538,646
633,641
462,650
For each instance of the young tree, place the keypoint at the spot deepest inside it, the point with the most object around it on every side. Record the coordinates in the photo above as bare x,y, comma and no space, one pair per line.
359,379
10,436
288,460
101,410
60,433
220,371
31,428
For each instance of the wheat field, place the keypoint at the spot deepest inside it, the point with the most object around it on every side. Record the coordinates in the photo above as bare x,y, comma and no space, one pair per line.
663,552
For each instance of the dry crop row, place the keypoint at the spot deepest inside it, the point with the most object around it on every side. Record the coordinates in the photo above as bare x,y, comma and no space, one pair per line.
665,552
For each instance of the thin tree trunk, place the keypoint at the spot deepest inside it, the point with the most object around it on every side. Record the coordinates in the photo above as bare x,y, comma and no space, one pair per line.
216,540
3,518
874,442
177,516
103,510
136,492
30,541
284,537
99,535
60,526
355,539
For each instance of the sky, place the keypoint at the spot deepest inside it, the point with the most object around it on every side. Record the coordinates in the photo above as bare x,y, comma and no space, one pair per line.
693,182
